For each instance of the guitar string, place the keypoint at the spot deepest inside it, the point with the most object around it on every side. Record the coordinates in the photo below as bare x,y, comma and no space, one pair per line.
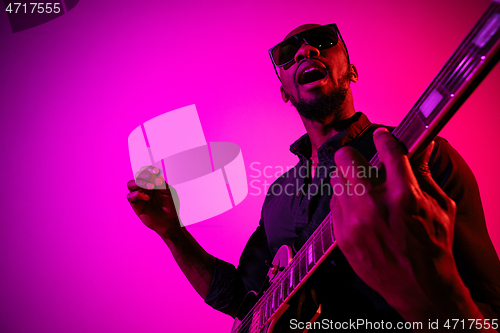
466,48
300,255
449,66
493,8
465,57
468,54
437,82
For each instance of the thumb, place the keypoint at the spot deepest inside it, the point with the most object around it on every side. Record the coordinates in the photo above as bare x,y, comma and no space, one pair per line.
420,164
423,174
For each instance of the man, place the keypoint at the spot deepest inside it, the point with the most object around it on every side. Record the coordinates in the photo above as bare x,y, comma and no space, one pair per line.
405,251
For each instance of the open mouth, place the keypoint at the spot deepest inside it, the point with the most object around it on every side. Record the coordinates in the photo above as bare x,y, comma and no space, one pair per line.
311,73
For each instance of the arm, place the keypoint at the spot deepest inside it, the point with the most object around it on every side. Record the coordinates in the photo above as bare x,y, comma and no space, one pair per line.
196,264
221,285
406,226
152,201
230,284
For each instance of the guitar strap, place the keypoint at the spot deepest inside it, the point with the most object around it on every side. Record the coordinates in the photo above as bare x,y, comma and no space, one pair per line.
367,149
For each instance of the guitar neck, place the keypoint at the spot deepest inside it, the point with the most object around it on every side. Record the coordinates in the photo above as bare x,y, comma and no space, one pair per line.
305,262
470,63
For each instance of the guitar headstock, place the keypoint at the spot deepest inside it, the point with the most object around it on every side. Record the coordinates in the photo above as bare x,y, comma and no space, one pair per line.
474,58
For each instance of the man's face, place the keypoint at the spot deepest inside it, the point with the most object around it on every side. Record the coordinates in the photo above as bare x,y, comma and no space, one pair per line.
316,76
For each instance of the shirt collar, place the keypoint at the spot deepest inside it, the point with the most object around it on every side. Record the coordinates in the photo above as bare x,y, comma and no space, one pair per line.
302,147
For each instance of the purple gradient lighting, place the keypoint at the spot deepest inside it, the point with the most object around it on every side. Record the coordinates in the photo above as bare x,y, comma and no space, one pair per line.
73,255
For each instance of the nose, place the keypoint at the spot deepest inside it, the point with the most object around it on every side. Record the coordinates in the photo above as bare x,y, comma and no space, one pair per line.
306,51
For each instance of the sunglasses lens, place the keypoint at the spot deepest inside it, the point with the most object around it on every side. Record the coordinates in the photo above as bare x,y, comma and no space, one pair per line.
320,38
285,51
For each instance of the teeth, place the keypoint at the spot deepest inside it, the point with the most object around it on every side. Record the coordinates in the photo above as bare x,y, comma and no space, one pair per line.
311,72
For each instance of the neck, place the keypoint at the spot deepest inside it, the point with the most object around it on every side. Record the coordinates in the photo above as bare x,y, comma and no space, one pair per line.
319,133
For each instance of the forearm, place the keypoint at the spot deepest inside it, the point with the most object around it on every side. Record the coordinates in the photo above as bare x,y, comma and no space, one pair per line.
196,264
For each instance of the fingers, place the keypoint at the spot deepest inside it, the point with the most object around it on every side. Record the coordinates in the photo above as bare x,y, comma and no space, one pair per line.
422,161
422,172
352,167
144,184
427,183
149,178
400,173
132,186
135,196
393,154
147,172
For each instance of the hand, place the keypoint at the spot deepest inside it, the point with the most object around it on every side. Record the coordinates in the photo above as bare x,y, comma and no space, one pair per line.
153,200
398,234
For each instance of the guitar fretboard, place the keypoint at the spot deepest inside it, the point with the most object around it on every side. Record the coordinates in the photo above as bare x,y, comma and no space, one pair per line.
312,253
465,69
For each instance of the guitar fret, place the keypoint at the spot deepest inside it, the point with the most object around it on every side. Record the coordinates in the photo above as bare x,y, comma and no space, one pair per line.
452,76
273,301
282,293
276,294
302,267
462,66
269,306
488,30
458,78
327,237
262,314
310,256
479,41
286,289
318,248
458,70
296,274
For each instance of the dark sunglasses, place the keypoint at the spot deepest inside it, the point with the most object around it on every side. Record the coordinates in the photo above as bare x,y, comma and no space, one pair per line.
321,38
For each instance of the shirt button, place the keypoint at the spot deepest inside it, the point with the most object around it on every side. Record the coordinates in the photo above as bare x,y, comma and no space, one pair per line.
298,194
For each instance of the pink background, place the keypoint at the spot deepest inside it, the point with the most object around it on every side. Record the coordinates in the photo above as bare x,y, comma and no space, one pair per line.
73,256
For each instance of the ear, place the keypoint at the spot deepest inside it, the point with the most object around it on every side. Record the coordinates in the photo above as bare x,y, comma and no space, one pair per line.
354,73
284,95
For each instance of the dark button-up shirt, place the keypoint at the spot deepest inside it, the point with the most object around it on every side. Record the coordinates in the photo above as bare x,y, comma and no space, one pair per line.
296,200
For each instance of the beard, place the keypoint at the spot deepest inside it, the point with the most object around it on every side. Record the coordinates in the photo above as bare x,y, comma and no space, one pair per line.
320,109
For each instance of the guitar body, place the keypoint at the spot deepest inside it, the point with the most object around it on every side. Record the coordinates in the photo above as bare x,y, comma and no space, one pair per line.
303,305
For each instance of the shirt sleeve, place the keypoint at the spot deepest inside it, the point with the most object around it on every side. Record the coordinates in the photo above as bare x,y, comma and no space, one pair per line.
475,256
230,285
